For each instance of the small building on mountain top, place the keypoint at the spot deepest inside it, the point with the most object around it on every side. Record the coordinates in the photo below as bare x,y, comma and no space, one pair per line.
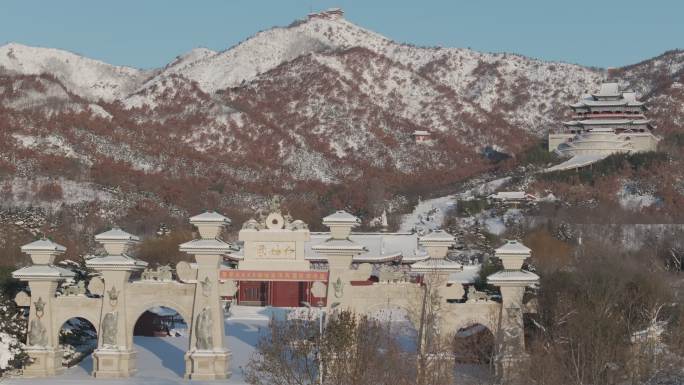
422,136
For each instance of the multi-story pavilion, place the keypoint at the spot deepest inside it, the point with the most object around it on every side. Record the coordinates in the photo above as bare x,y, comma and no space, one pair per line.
608,122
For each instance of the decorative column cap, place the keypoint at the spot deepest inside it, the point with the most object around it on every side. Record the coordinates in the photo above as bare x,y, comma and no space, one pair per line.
42,273
116,241
341,223
437,243
513,278
205,247
513,247
437,238
513,254
341,217
209,224
43,251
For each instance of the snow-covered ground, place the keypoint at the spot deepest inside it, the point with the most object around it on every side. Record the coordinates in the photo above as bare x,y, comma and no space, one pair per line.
428,215
160,360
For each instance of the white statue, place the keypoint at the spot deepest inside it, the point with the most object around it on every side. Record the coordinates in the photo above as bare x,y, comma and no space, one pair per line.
203,330
109,329
37,334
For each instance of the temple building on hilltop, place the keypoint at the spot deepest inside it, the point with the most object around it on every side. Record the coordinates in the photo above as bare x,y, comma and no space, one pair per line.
608,122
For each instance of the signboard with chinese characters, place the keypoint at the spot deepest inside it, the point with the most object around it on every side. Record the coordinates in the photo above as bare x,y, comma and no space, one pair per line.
274,250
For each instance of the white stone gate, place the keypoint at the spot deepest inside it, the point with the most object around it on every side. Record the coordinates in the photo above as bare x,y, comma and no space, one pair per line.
119,295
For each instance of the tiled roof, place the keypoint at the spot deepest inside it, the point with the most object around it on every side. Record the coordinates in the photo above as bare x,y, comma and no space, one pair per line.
43,245
116,234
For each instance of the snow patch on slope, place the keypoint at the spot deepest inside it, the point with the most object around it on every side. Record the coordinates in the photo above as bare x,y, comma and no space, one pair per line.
88,78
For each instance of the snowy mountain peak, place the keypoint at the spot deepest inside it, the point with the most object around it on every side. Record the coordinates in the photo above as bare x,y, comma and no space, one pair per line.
88,78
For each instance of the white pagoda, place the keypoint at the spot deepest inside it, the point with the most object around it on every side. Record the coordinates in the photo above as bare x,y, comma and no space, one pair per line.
608,122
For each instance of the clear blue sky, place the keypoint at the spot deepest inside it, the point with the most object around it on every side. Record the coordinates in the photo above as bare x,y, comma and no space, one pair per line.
147,33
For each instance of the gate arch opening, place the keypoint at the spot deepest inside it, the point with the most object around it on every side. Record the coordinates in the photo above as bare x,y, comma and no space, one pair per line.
161,339
77,339
474,344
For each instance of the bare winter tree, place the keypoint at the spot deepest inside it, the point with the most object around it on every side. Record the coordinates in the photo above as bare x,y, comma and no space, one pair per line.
354,350
434,347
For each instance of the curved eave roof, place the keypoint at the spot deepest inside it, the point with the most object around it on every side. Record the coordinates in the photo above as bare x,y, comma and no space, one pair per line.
436,265
206,246
341,217
512,277
43,245
42,272
606,122
210,217
115,261
513,247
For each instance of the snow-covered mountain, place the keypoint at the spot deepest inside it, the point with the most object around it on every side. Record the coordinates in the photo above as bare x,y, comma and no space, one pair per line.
88,78
321,104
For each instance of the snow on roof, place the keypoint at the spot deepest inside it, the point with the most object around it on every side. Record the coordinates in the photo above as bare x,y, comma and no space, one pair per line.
43,245
209,217
595,122
115,234
42,271
577,161
439,235
421,133
513,247
631,102
341,216
205,246
608,89
113,261
436,264
512,276
509,195
378,247
631,96
338,244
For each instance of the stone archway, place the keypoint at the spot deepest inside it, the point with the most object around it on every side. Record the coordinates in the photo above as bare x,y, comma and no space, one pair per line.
161,352
138,310
77,337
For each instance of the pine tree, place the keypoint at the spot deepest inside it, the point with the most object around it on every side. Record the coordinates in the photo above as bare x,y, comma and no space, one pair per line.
12,333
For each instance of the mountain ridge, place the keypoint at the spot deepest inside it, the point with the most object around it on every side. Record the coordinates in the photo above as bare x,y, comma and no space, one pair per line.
320,111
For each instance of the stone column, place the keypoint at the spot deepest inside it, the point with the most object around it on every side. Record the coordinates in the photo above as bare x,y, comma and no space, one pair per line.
437,243
208,358
339,250
115,356
512,281
43,333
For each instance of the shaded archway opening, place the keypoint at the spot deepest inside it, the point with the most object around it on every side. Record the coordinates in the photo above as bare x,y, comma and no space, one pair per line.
77,339
160,321
161,339
474,344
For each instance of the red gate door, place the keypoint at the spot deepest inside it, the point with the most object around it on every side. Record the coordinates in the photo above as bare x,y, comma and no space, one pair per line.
285,294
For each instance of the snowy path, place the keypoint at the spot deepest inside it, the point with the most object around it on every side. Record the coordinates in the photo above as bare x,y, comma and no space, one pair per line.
427,215
160,360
